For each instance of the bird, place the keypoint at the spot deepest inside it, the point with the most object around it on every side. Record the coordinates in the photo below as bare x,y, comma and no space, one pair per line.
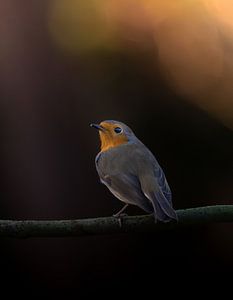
131,172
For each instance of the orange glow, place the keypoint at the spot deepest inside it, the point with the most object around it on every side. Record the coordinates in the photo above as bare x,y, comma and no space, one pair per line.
78,26
222,10
185,36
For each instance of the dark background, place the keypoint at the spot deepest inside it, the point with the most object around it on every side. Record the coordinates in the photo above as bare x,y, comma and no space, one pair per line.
65,64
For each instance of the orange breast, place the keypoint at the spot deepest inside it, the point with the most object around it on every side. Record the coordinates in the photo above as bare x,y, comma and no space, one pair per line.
108,140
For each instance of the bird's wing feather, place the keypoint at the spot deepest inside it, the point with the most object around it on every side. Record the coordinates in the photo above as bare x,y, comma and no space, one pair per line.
154,192
162,182
154,185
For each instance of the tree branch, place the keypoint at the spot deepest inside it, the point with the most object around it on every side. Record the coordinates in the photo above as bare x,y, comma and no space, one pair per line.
110,225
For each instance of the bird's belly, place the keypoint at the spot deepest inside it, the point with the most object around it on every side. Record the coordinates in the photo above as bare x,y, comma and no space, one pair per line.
131,196
120,197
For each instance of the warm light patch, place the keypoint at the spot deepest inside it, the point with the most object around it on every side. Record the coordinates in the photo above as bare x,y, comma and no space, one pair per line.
190,39
78,26
222,10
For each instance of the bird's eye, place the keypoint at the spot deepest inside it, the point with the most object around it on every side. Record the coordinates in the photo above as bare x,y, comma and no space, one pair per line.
118,130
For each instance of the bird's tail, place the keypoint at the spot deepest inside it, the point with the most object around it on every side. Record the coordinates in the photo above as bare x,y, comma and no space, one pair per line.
163,210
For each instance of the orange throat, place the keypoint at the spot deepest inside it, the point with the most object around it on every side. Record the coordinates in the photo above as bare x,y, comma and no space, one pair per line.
108,141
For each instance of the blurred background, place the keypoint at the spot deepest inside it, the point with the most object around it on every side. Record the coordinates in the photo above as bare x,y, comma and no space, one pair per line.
163,67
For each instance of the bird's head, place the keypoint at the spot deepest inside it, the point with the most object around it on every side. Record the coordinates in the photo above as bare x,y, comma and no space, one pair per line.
113,134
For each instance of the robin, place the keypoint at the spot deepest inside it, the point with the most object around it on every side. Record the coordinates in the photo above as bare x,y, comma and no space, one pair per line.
131,172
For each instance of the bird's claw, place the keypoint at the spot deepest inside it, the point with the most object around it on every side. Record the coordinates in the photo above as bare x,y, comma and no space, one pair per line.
119,218
120,215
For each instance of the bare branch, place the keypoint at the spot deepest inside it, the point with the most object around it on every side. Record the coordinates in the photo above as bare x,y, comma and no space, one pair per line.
110,225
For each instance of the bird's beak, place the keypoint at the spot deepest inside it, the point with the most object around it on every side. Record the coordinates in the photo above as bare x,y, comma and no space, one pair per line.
97,126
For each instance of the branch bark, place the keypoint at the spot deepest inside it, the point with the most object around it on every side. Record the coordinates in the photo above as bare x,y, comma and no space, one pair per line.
110,225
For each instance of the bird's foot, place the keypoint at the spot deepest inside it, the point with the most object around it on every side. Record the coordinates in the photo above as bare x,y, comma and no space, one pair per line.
119,217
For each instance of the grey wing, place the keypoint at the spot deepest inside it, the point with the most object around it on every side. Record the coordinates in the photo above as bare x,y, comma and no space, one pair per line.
162,182
155,187
127,188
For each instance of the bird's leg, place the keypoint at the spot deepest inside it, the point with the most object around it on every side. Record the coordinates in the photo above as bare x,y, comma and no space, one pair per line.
119,214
